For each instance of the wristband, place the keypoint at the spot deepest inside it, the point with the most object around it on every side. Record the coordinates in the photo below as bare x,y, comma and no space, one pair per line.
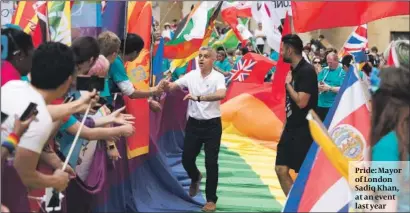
11,142
199,98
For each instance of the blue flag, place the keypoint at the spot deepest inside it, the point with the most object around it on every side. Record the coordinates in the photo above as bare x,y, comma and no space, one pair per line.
157,71
113,18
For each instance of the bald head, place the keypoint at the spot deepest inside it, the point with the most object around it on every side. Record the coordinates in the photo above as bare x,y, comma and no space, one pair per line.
332,60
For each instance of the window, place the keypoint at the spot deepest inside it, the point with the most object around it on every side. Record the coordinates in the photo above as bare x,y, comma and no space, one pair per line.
399,36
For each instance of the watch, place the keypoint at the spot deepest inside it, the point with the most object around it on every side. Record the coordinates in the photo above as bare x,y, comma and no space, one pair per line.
199,98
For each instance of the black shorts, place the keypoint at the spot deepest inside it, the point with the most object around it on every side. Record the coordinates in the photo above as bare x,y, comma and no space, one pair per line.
293,146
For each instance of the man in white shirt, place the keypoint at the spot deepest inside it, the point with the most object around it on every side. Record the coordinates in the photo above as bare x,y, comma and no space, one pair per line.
51,75
260,38
206,89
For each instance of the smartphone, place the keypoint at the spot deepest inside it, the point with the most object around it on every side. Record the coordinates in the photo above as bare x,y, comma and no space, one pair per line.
31,110
4,117
102,102
87,83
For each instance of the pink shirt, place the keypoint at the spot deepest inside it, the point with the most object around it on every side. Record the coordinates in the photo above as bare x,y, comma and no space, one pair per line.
8,72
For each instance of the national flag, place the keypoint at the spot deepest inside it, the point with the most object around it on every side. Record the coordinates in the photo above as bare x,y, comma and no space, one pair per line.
25,16
139,21
59,20
113,18
231,11
242,70
192,31
356,44
315,15
348,122
86,19
278,82
40,33
252,68
228,41
391,54
157,73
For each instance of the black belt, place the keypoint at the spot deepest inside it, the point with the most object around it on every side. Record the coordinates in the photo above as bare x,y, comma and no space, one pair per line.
204,122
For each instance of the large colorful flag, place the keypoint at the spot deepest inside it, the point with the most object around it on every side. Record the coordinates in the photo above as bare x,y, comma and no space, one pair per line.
252,68
59,21
231,11
86,19
31,16
113,17
391,53
228,41
25,16
192,31
348,122
356,44
282,69
40,33
314,15
139,21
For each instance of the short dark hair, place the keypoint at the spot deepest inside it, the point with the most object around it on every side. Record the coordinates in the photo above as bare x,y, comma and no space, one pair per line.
374,49
346,60
244,50
53,64
321,36
133,42
294,41
85,48
18,40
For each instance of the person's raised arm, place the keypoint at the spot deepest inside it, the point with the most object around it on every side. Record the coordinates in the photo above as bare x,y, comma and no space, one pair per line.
101,133
61,111
26,162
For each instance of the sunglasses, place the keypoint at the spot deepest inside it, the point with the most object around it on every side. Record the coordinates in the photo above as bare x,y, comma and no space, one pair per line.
316,62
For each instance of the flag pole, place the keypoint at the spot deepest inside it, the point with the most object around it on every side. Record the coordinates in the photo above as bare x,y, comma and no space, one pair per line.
166,14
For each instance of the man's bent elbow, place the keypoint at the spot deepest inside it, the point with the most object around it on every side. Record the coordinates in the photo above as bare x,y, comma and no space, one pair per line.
302,105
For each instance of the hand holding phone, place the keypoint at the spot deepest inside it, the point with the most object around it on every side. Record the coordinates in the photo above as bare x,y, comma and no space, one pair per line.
4,117
31,110
87,83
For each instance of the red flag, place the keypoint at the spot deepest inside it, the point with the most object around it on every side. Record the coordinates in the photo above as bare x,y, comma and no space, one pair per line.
40,33
308,16
282,69
139,22
252,68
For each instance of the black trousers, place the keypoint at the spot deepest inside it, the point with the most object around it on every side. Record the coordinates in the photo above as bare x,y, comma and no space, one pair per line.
198,132
322,112
260,48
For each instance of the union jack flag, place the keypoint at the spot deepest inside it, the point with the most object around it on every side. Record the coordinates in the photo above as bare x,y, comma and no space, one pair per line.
242,70
356,44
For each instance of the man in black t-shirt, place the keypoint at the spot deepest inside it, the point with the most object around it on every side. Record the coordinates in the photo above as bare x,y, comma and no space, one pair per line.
301,96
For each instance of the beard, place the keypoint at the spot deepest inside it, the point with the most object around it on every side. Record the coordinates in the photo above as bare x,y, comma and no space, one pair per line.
287,60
